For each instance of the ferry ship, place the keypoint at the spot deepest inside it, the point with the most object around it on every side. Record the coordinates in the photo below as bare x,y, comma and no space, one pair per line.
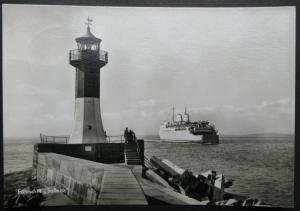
182,129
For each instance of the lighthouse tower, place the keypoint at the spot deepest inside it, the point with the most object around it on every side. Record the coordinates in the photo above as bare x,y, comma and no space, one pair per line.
88,59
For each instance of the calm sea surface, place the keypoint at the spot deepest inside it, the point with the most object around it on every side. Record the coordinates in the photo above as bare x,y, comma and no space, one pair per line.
260,167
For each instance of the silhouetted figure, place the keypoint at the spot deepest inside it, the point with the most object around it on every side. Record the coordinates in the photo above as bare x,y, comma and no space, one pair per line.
132,137
126,135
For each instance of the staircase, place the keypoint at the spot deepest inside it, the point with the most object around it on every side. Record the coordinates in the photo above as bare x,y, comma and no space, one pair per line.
132,155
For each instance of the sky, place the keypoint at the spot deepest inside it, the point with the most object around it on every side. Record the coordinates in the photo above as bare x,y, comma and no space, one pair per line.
234,67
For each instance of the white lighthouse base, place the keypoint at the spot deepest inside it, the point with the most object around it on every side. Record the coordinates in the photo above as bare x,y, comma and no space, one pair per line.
88,126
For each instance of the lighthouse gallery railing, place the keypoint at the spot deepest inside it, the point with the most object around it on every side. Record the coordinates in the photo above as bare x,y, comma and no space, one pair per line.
76,55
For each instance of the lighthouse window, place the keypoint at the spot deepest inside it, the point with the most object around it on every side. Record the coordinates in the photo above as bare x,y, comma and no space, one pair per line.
88,46
89,127
83,46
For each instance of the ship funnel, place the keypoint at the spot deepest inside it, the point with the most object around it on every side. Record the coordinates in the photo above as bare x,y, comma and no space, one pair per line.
186,117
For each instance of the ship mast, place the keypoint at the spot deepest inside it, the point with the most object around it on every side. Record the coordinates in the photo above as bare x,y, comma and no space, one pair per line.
173,108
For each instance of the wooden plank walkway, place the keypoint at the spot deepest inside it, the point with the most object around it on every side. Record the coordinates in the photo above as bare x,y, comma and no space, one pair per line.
120,187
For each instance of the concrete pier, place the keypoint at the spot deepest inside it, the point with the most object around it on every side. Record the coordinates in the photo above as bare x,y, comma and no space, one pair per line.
89,182
93,183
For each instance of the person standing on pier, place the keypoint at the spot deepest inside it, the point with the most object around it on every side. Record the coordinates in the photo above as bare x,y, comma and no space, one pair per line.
126,135
132,136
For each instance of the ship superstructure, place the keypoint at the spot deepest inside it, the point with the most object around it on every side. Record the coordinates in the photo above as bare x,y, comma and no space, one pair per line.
182,129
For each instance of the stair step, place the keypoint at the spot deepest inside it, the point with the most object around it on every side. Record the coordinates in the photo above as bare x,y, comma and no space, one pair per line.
132,155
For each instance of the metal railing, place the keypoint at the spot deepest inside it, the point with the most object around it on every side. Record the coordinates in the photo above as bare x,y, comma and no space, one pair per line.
115,139
77,55
103,56
138,147
65,139
110,139
54,139
145,161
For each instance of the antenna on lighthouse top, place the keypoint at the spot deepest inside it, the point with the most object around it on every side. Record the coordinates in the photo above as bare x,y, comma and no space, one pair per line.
89,22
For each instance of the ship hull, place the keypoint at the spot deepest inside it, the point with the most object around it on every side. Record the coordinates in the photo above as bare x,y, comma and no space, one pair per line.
170,134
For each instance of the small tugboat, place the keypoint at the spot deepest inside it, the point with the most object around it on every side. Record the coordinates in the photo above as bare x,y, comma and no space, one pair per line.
182,130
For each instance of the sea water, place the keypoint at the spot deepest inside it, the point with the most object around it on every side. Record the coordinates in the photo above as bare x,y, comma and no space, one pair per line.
261,167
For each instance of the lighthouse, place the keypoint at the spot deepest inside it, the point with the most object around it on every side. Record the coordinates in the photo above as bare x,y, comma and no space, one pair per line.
88,60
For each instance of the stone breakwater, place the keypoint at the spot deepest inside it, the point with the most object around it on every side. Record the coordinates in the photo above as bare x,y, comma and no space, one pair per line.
21,191
17,181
